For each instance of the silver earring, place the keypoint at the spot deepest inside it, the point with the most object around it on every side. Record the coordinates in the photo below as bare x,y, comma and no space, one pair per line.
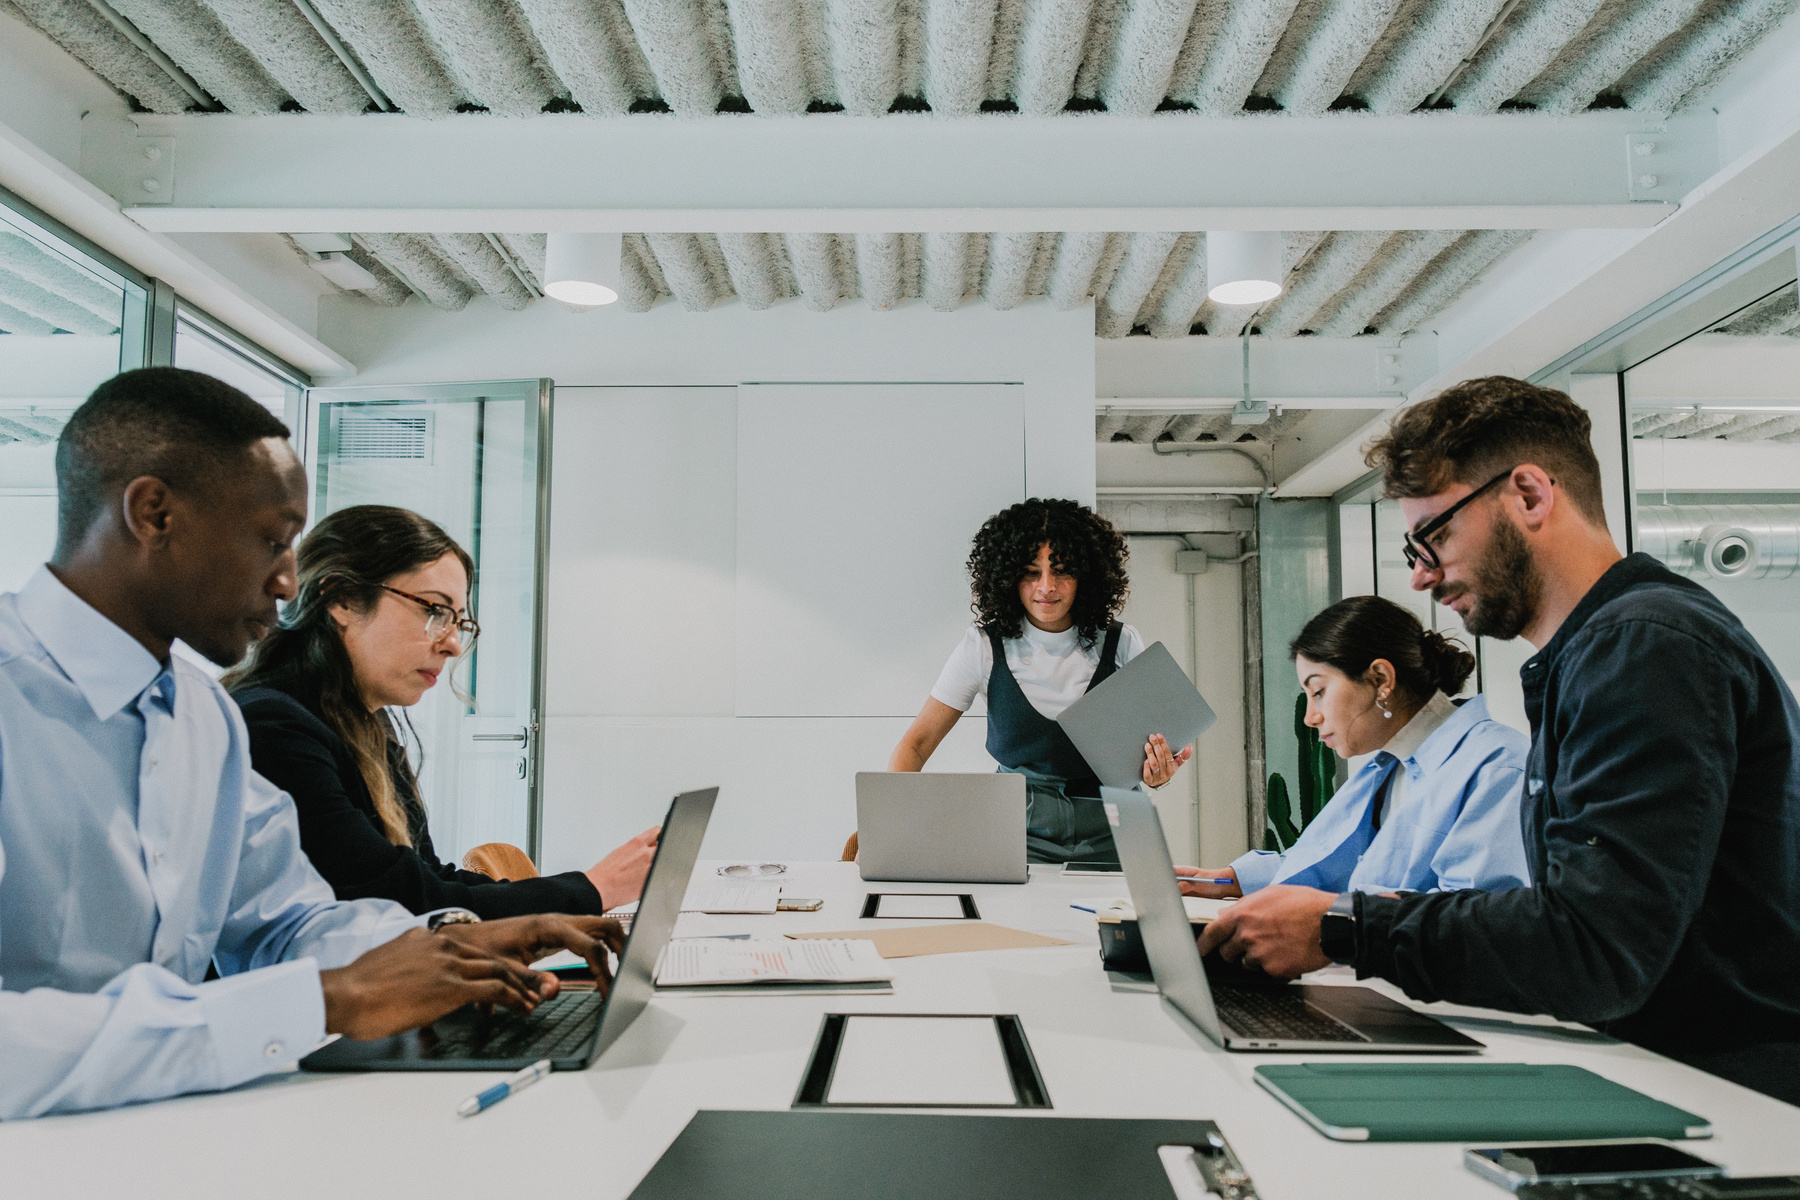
1385,714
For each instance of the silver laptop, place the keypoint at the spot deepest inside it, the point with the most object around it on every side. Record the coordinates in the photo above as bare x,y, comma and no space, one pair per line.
938,827
1259,1014
1150,694
574,1027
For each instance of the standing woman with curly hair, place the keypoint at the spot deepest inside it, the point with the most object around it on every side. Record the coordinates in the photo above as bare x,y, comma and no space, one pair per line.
1049,580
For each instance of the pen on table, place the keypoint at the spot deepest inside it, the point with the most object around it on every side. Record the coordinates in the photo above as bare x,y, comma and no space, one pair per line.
518,1081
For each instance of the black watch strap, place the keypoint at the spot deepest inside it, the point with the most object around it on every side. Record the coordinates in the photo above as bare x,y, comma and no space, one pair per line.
451,916
1338,929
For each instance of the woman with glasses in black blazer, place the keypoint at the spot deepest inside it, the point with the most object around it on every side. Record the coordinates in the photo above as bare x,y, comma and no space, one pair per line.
381,615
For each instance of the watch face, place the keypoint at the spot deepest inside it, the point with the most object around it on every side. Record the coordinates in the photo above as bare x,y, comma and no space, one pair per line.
1337,937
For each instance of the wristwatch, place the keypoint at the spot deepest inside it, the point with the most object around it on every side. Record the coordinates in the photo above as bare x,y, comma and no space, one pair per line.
451,916
1338,929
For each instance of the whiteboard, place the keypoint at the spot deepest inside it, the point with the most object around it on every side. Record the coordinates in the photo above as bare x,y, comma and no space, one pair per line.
856,504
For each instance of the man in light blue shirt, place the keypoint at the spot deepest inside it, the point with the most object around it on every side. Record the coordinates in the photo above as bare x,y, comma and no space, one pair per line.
136,844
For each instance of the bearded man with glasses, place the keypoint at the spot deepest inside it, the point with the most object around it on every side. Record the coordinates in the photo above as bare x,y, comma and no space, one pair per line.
1662,793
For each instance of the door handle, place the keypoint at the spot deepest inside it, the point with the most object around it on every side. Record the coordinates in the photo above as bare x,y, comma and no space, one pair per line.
522,737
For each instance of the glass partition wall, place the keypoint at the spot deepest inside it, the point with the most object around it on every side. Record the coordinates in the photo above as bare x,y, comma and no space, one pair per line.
1715,461
68,321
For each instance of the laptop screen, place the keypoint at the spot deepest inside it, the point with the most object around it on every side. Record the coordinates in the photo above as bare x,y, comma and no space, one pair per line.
664,889
1162,919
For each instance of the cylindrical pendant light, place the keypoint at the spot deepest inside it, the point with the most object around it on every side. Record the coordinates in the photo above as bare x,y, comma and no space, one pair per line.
1243,267
582,268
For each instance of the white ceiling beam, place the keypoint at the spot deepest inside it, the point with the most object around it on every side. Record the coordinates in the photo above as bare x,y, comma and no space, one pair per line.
1530,312
42,180
843,174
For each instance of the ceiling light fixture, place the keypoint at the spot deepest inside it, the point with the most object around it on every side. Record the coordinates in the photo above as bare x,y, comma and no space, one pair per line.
583,268
1243,267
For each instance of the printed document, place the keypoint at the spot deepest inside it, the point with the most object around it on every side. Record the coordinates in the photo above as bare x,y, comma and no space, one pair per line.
726,897
770,960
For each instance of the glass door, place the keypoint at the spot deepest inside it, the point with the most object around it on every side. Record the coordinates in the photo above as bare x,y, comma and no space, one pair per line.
473,458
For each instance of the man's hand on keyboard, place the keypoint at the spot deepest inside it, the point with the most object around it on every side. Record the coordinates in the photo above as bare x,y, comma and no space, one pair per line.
1275,929
523,940
417,978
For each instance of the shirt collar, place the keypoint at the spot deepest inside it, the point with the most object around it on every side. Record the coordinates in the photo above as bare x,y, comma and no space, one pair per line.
108,665
1443,741
1056,643
1623,575
1424,723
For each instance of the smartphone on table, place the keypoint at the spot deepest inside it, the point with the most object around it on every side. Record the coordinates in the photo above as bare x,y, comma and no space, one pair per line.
1513,1167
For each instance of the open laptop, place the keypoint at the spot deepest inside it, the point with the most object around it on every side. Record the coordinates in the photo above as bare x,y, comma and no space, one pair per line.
1150,694
1261,1014
938,827
572,1028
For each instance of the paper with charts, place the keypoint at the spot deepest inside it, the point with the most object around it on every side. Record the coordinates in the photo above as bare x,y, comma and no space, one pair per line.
701,961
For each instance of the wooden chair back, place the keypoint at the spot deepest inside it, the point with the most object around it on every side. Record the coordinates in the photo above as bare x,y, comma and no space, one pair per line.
500,861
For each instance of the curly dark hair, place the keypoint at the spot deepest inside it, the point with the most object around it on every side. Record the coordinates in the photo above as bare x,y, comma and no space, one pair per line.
1082,543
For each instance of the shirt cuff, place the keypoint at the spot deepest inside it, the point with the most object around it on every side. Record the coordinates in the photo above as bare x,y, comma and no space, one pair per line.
265,1019
1374,935
1256,870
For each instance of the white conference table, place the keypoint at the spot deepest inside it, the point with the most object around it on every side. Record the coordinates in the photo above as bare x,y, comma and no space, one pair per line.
595,1133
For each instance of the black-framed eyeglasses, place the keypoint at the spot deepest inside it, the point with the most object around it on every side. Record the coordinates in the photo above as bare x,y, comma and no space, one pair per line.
439,618
1418,547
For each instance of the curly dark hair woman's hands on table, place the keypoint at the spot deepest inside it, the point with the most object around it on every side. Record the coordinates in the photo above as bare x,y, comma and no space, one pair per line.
1082,544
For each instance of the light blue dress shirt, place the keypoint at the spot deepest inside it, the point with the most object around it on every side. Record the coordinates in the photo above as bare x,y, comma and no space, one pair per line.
1458,826
137,845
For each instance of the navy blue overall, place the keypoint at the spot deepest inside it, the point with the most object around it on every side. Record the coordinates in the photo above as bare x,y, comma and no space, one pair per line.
1063,818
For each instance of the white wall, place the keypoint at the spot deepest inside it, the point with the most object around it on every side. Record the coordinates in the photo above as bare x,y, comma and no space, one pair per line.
641,687
643,682
1202,808
1049,353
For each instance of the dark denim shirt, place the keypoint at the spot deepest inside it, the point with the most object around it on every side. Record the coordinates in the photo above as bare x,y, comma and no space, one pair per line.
1662,823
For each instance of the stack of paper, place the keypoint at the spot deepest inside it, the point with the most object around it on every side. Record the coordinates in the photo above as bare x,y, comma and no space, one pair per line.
770,960
1199,908
725,897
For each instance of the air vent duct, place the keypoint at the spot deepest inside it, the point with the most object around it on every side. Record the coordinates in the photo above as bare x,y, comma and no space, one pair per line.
1723,541
365,435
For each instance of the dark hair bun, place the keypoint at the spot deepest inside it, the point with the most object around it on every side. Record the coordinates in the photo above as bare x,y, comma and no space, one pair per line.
1357,630
1445,661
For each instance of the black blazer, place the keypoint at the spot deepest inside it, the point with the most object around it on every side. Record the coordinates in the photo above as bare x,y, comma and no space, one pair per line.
295,750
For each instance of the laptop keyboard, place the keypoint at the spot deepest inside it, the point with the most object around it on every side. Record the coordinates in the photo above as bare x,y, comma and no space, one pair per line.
560,1026
1278,1014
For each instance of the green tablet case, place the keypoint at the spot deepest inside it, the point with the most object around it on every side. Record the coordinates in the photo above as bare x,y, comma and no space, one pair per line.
1471,1102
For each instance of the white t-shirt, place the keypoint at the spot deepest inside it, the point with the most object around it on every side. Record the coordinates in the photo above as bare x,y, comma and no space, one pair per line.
1053,669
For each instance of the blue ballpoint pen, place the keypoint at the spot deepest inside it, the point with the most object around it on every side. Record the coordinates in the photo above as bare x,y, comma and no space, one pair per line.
516,1082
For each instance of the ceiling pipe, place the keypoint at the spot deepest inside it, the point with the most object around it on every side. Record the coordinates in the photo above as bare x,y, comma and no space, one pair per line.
135,36
1214,448
336,45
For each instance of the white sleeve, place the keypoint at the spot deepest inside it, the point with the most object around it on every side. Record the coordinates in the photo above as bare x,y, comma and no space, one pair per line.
1131,644
965,676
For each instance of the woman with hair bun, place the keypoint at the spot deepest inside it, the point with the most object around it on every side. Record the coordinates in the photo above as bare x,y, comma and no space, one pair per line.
1435,808
1048,578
